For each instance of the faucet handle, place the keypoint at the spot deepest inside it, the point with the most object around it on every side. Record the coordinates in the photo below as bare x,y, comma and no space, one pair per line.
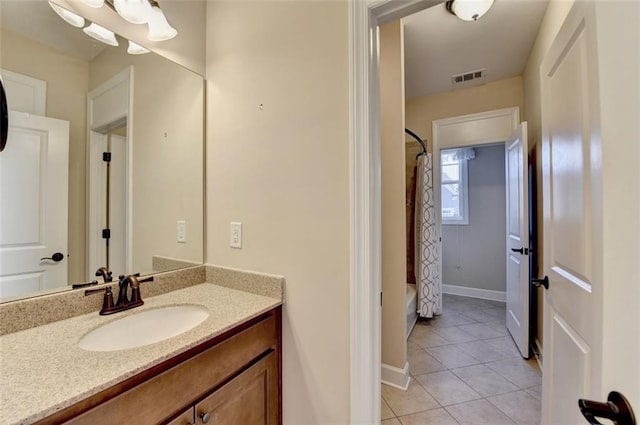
135,287
107,301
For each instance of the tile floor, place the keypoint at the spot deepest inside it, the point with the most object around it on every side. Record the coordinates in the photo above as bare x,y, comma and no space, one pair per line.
465,369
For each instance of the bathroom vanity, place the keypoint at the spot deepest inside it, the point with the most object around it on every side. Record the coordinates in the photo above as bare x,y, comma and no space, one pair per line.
225,370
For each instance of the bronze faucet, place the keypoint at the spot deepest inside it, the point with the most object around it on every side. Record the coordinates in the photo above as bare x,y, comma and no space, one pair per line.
105,273
123,302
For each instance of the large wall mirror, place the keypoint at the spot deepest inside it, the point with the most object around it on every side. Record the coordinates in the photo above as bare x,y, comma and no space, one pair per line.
104,160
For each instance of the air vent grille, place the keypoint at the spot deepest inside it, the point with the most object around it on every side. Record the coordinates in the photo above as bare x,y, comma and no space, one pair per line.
468,76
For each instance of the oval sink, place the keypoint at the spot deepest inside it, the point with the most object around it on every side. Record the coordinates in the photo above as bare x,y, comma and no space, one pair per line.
144,328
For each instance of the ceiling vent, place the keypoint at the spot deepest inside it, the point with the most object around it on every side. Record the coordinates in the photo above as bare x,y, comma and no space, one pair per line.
468,76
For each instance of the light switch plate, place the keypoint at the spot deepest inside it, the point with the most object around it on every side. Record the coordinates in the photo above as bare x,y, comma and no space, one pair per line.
182,231
236,235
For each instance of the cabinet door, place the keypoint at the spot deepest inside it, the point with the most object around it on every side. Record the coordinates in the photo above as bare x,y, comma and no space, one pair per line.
186,418
249,399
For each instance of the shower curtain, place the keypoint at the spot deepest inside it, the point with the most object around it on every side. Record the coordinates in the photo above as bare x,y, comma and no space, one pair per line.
429,286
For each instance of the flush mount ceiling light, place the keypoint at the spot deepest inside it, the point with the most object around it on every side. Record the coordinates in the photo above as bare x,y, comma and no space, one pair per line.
101,34
469,10
71,18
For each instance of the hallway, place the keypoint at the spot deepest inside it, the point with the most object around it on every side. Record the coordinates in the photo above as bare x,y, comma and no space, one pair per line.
465,369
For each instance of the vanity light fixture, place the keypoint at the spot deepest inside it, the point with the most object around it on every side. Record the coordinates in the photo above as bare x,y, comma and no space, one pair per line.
136,49
101,34
71,18
134,11
141,12
468,10
96,4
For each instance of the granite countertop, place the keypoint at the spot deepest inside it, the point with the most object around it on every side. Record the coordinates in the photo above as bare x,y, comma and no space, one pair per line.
42,369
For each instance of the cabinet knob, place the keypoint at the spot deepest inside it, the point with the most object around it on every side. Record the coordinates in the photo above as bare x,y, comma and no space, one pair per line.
205,417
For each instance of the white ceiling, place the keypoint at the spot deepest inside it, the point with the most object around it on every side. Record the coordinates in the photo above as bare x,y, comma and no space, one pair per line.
438,45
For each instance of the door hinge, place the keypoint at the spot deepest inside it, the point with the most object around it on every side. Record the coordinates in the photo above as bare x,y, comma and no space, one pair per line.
106,233
380,298
106,156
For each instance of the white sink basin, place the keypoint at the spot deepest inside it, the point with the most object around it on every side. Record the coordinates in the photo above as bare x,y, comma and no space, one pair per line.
144,328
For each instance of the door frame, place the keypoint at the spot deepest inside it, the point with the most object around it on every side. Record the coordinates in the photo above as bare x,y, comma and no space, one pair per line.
107,94
365,210
461,131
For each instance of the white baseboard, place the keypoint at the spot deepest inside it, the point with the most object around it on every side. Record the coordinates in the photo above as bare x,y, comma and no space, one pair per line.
396,377
485,294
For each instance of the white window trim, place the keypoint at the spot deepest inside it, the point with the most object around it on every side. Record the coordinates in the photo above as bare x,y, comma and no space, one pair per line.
463,194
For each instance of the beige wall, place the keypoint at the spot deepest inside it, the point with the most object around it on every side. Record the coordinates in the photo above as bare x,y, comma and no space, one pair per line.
278,161
394,238
67,82
168,134
556,12
421,111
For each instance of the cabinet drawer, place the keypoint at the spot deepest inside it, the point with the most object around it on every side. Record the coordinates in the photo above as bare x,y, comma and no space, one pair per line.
186,418
166,394
249,399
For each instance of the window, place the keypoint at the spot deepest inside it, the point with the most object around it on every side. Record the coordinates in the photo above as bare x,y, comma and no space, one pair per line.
455,186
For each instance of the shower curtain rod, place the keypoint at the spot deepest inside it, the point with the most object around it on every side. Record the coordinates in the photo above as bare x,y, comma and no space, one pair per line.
412,134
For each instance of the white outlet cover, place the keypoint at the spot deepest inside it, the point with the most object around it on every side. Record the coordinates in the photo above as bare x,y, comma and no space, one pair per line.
235,237
182,231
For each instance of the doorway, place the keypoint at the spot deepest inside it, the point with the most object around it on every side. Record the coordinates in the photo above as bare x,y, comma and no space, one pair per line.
464,364
110,158
619,301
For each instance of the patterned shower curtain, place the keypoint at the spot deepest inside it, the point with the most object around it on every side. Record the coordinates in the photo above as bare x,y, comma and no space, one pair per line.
429,286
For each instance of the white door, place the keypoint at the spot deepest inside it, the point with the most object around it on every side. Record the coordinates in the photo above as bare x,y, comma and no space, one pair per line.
516,170
33,213
591,335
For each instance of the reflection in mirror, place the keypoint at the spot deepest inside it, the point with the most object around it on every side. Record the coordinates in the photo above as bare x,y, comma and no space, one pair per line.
73,103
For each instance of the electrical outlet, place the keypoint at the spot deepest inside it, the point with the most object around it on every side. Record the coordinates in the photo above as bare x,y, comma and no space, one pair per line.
182,231
236,235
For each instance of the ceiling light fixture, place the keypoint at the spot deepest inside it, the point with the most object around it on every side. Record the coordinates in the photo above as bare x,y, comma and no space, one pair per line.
101,34
71,18
468,10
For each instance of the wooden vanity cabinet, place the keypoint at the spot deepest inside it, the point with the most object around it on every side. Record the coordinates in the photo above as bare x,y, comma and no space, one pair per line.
234,378
244,400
